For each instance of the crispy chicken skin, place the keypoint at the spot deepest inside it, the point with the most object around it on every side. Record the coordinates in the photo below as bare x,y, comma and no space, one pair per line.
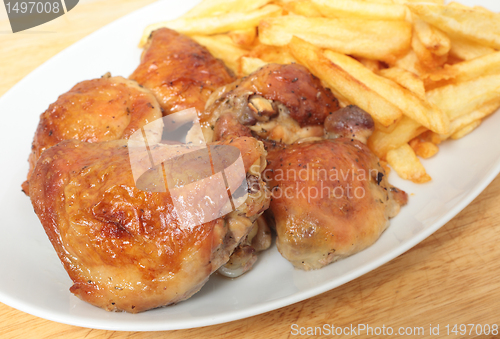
103,109
124,248
329,195
330,198
275,101
179,71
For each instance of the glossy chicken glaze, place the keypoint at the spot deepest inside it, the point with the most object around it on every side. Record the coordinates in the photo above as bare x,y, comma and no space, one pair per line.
124,248
179,71
343,202
104,109
329,199
273,90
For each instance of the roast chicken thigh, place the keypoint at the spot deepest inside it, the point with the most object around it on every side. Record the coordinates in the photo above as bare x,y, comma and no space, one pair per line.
126,248
179,71
330,197
104,109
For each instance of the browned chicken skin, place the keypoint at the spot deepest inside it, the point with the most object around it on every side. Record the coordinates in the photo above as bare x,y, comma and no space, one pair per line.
274,97
103,109
179,71
330,199
342,202
124,248
278,102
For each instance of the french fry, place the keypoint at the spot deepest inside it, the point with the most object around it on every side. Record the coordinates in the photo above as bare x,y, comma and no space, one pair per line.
302,7
465,97
216,7
345,86
362,9
430,136
222,47
428,59
455,4
488,64
406,164
467,119
388,2
386,129
372,39
439,2
215,24
273,54
372,65
380,143
466,50
244,37
408,80
433,39
471,24
419,110
443,76
423,149
249,65
466,130
409,62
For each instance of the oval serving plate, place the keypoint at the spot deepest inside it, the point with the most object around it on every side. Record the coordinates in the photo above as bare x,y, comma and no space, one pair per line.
34,281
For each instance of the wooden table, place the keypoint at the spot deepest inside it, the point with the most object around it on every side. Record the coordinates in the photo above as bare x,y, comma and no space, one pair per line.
450,278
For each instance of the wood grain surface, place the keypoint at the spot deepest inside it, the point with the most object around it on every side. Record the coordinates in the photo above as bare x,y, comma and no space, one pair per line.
450,278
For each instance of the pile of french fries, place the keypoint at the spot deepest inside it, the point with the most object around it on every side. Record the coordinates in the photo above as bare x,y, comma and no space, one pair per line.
425,71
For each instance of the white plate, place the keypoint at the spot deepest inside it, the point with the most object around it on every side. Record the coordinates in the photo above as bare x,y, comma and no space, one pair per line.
33,280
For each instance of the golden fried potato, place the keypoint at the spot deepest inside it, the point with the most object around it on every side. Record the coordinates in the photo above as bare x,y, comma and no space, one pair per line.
488,64
244,37
465,49
476,25
372,65
433,39
217,7
424,149
466,130
406,129
467,119
408,80
409,62
250,65
440,2
273,54
415,108
345,86
430,136
302,7
372,39
406,164
215,24
428,59
361,9
456,100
